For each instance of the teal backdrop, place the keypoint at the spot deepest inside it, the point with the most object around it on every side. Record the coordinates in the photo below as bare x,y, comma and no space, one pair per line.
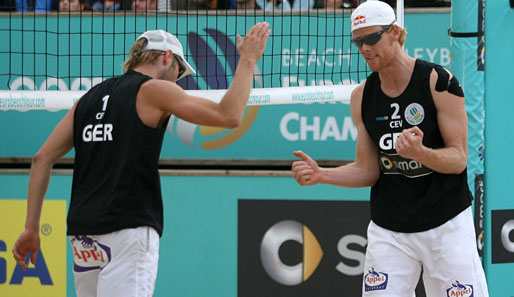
499,102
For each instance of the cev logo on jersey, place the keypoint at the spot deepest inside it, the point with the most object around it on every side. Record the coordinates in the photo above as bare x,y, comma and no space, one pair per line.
47,276
89,254
459,290
414,114
374,280
275,237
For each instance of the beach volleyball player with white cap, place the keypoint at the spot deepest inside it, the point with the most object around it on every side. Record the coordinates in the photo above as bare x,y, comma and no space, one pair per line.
412,152
115,218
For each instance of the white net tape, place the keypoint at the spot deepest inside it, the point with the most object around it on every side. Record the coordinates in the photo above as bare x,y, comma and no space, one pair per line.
59,100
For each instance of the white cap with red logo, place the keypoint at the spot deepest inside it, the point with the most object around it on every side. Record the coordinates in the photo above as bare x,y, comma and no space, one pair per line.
372,13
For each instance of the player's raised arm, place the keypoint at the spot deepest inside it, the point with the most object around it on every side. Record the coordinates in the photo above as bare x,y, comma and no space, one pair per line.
170,98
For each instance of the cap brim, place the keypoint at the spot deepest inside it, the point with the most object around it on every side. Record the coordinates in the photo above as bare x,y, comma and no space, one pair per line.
189,70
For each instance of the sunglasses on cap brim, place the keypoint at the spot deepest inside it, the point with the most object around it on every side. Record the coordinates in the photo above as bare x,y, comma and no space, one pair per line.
370,39
181,66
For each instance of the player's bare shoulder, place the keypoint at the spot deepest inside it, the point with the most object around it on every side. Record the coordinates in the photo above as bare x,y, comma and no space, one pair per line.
157,90
442,80
357,93
157,85
356,99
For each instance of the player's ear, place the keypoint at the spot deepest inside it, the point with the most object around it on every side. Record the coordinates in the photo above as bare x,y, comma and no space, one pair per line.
396,31
168,57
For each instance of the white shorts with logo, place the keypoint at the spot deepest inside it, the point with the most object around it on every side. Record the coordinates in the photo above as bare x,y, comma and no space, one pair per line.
447,255
122,263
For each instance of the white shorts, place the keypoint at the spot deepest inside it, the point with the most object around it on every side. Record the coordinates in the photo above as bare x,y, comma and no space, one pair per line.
122,263
447,255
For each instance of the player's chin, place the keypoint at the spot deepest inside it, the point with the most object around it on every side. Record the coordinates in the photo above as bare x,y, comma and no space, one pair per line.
374,67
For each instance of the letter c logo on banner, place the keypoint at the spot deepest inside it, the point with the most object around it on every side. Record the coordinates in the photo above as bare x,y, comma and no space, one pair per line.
507,243
275,237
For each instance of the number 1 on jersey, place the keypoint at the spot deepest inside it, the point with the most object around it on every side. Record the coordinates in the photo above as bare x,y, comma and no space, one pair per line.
105,99
100,115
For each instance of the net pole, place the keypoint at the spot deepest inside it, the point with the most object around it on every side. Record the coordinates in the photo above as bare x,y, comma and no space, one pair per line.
400,13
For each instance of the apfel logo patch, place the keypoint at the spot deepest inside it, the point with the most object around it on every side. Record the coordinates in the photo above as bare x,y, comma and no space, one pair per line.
460,290
374,280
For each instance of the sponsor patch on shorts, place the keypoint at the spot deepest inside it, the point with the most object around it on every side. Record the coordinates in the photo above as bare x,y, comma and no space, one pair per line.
89,254
459,290
374,280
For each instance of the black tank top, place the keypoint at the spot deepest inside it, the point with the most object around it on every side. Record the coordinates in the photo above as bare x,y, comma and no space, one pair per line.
116,181
408,196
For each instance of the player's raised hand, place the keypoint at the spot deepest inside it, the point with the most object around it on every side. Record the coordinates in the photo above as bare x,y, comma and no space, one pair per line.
305,171
253,45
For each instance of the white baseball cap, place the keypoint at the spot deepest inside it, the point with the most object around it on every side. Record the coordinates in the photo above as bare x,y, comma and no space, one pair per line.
162,41
372,13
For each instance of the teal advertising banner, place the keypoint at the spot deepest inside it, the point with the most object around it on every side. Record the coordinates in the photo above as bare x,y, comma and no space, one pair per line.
199,247
325,130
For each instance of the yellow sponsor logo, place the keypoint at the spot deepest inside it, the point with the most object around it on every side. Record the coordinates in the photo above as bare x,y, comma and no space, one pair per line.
47,277
212,138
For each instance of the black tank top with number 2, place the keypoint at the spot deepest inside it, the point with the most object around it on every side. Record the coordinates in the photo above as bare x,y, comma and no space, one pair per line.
408,196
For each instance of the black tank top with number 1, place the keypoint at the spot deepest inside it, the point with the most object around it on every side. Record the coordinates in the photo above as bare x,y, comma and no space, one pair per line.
116,182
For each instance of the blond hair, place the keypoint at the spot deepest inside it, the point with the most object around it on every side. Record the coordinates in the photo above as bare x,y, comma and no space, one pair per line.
403,36
137,56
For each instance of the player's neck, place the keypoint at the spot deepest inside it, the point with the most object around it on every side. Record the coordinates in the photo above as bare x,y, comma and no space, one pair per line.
147,69
395,77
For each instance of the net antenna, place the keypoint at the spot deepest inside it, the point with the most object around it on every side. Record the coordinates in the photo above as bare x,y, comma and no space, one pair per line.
52,58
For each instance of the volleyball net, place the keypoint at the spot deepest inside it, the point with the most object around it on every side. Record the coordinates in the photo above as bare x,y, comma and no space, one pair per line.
50,58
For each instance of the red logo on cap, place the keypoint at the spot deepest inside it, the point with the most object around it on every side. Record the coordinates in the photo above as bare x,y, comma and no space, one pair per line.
360,19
